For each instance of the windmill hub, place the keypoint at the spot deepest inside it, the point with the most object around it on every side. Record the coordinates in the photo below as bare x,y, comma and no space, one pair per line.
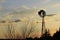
42,13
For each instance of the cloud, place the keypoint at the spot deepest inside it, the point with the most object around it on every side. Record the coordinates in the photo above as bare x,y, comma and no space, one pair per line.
46,1
23,6
56,5
2,1
23,12
1,8
18,8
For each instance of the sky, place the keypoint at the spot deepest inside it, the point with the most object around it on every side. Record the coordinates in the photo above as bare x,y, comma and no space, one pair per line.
28,10
52,6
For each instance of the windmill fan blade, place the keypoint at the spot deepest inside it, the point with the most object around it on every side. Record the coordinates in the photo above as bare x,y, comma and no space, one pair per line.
51,15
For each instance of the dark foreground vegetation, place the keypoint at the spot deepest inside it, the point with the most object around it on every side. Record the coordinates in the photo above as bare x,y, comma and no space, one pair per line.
47,36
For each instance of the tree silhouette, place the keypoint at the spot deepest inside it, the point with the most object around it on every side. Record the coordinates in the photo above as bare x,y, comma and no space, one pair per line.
56,35
27,29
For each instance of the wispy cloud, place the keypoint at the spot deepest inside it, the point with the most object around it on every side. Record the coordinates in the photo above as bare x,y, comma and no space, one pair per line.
2,1
56,5
1,8
46,1
23,11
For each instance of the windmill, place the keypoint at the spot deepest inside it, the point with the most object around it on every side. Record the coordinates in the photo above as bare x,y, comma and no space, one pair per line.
42,14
